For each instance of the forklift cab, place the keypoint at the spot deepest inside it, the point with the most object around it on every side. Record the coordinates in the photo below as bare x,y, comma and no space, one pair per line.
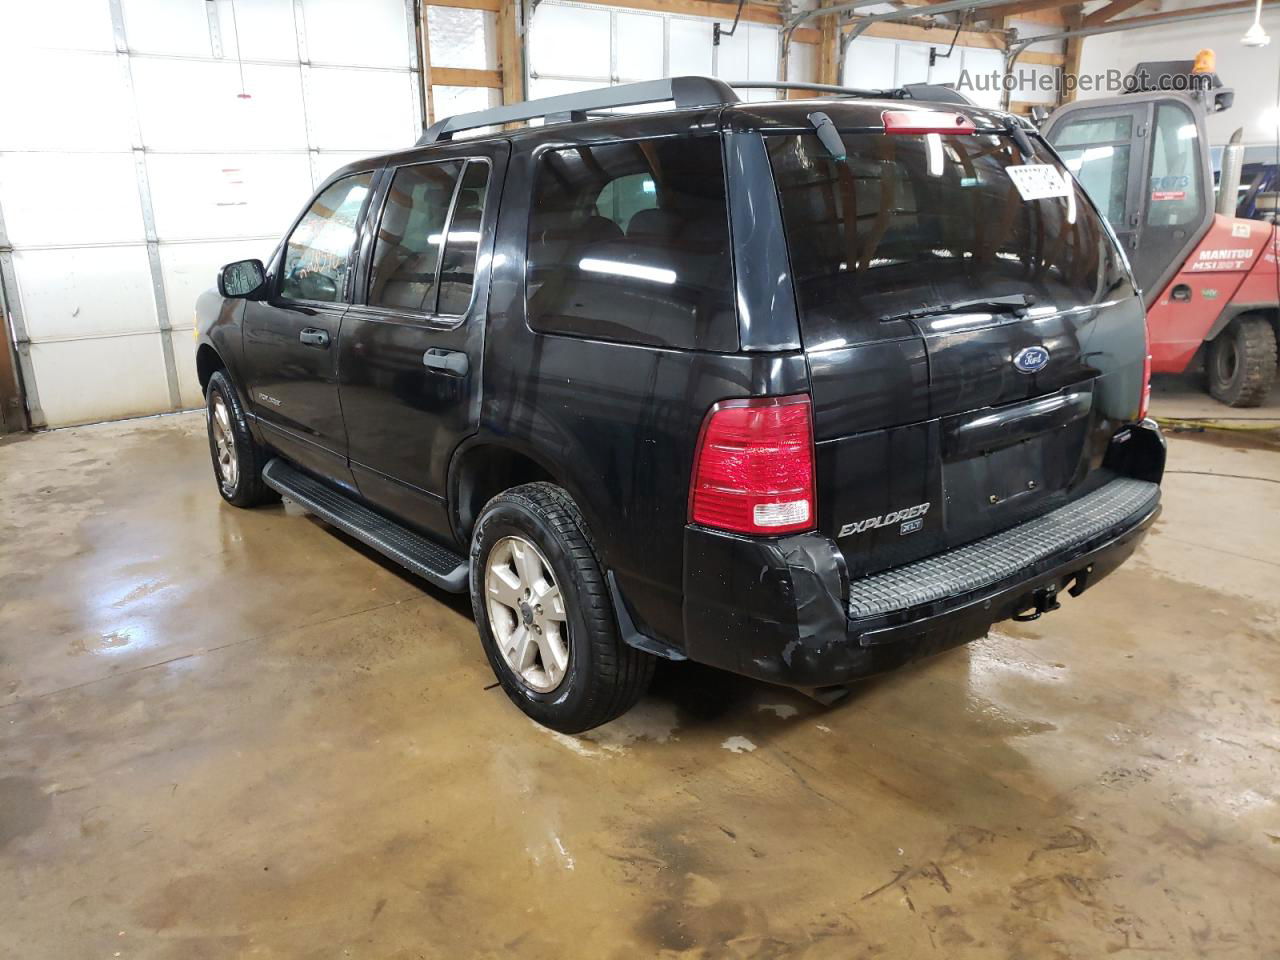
1144,159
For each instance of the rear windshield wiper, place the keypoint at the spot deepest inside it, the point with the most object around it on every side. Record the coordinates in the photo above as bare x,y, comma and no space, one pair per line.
1018,304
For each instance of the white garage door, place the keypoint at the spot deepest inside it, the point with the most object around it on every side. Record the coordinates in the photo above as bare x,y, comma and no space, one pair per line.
612,46
146,142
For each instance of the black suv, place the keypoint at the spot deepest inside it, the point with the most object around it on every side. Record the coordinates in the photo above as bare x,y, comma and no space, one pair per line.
803,390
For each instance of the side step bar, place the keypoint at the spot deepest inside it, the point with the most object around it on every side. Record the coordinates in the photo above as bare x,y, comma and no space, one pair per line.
412,551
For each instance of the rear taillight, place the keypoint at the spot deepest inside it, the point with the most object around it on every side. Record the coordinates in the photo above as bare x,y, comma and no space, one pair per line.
753,469
926,121
1145,403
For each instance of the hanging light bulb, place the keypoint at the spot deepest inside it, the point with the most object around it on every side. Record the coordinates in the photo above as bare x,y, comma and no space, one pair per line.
1255,36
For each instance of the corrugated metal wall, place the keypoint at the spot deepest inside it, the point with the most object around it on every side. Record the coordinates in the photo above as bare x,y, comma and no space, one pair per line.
143,143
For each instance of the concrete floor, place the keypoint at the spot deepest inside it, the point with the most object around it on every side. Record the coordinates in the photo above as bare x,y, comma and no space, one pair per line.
234,734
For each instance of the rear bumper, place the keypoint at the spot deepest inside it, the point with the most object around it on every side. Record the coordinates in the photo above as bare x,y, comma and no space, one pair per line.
782,610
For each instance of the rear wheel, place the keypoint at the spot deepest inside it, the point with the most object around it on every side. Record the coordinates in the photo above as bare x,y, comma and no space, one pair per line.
1242,362
237,458
544,613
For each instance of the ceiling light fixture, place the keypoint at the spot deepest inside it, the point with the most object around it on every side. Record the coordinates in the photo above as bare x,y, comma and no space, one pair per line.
1255,36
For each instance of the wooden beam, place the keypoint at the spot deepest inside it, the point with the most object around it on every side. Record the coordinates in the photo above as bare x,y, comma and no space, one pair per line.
1075,47
890,30
751,12
493,6
461,77
1017,8
1103,14
828,65
1170,16
1044,59
510,53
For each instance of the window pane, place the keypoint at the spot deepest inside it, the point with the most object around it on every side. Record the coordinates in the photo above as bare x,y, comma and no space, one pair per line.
1175,168
906,221
1104,173
457,273
318,256
606,261
622,199
407,249
1090,130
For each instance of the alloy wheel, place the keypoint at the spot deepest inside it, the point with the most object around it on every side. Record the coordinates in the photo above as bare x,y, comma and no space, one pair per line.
527,613
228,466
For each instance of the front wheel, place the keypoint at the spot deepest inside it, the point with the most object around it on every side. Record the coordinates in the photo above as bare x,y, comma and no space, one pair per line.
237,458
544,613
1242,362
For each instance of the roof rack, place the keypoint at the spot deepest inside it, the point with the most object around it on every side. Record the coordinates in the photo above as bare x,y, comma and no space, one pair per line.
684,91
935,92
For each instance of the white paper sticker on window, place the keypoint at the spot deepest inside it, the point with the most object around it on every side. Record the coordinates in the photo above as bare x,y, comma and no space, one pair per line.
1038,181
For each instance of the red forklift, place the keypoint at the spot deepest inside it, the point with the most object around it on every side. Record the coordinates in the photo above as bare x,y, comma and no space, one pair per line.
1209,278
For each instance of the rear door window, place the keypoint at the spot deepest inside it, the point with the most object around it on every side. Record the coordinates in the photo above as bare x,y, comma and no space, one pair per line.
920,220
630,242
424,254
318,255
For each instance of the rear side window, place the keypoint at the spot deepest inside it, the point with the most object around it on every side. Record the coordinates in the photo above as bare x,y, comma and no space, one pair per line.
423,261
912,221
317,258
630,242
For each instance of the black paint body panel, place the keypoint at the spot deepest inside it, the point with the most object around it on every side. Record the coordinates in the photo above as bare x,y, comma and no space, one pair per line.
899,421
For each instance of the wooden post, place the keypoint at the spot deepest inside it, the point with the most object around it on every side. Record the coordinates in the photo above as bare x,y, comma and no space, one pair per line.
511,51
1073,18
829,48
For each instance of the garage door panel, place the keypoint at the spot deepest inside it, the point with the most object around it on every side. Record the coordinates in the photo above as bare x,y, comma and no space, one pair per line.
326,162
557,30
224,196
85,291
184,357
691,49
80,381
191,105
265,29
372,33
640,56
179,27
369,110
57,85
70,198
189,269
67,24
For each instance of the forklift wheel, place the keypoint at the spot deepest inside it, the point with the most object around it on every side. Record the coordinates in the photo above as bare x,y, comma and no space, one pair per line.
1242,362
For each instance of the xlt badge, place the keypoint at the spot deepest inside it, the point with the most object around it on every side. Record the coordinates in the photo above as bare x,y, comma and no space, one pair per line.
913,515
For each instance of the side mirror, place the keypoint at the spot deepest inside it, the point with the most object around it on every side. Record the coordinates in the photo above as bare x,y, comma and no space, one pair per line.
244,278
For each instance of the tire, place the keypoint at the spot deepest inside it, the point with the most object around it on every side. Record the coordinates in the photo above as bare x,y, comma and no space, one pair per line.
596,677
237,457
1242,362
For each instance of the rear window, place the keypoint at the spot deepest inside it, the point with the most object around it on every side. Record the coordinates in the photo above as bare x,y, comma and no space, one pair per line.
630,242
913,221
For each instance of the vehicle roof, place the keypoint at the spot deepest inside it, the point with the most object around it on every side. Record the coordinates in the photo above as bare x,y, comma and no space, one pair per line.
768,116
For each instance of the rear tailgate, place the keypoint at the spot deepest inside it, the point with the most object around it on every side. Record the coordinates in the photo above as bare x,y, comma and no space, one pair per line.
938,425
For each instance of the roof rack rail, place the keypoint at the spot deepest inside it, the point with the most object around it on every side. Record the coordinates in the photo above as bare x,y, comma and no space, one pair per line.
684,91
911,91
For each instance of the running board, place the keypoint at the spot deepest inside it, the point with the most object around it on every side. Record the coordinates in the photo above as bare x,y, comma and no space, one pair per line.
412,551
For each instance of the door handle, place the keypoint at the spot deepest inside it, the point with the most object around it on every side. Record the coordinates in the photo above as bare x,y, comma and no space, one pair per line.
314,338
446,361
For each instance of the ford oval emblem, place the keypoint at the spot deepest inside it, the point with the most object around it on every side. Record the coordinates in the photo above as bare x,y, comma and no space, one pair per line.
1031,359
